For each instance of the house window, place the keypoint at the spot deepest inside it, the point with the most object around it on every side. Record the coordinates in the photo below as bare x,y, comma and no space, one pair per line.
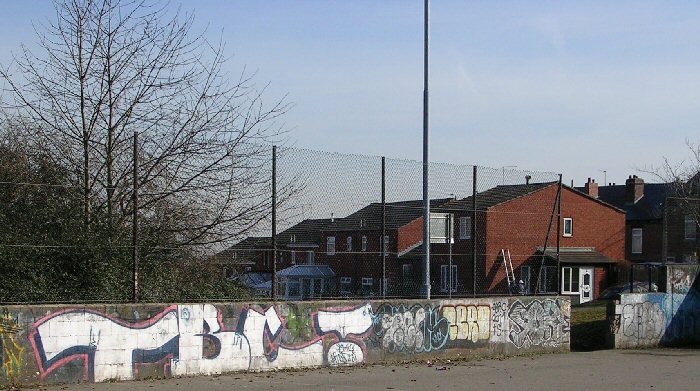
637,240
690,227
348,242
548,279
385,243
525,277
568,226
330,245
345,284
266,260
445,278
569,280
407,271
294,257
441,228
309,257
364,243
465,227
292,238
367,281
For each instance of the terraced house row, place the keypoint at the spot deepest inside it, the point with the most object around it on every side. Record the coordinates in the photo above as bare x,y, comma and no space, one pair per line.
510,239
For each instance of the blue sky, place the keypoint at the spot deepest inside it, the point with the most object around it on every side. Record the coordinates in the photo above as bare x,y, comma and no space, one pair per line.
571,87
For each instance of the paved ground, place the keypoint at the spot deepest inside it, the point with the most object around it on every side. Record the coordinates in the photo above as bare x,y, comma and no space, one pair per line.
618,370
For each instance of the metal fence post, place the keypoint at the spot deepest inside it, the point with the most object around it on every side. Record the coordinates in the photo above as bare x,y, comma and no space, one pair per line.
274,222
384,245
474,236
559,235
135,222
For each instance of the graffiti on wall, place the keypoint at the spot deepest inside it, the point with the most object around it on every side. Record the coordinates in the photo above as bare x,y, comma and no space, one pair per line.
682,279
468,322
192,339
643,321
414,329
538,323
11,350
498,319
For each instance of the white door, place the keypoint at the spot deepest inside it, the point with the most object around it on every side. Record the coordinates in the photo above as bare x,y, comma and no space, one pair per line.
586,284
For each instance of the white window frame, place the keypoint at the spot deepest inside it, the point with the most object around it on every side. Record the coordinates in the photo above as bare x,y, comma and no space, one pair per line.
367,281
309,257
330,245
348,244
690,228
293,257
570,232
385,244
364,243
465,227
445,278
447,219
570,270
637,240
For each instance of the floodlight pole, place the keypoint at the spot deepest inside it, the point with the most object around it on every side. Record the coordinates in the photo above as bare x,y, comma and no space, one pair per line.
426,156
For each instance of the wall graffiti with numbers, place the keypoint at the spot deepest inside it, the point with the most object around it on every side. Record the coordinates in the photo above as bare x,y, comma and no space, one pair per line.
99,343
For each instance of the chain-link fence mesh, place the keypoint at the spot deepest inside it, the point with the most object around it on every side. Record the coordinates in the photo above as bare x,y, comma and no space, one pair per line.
347,226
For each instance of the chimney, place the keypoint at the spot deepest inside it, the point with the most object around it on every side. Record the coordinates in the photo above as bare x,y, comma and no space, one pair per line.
592,188
527,179
634,189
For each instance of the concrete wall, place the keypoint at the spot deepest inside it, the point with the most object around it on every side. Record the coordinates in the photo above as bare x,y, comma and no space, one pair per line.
659,319
57,344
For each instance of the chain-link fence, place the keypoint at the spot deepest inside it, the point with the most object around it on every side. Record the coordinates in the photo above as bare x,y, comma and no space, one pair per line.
347,226
353,227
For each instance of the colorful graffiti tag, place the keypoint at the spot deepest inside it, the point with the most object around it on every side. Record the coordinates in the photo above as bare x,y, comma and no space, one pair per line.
468,322
192,339
11,350
414,329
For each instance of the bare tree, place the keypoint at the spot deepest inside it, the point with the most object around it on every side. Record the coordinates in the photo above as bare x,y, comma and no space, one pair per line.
108,68
683,179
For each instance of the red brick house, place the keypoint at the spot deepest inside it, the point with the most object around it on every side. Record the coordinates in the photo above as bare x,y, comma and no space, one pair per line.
659,227
510,219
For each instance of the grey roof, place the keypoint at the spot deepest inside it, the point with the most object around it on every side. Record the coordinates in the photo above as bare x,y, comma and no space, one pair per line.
649,207
398,214
577,255
314,271
308,232
495,196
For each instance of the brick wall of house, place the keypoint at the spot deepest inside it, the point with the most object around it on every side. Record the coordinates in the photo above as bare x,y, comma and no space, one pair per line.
521,226
652,241
682,249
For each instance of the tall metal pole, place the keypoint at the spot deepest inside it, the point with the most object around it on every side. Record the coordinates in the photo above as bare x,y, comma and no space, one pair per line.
474,232
135,222
274,222
561,194
426,155
383,227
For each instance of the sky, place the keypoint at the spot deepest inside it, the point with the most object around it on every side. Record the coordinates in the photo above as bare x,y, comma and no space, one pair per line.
563,86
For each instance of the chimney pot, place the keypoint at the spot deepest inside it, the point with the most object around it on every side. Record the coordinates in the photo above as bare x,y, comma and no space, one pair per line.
591,188
634,189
